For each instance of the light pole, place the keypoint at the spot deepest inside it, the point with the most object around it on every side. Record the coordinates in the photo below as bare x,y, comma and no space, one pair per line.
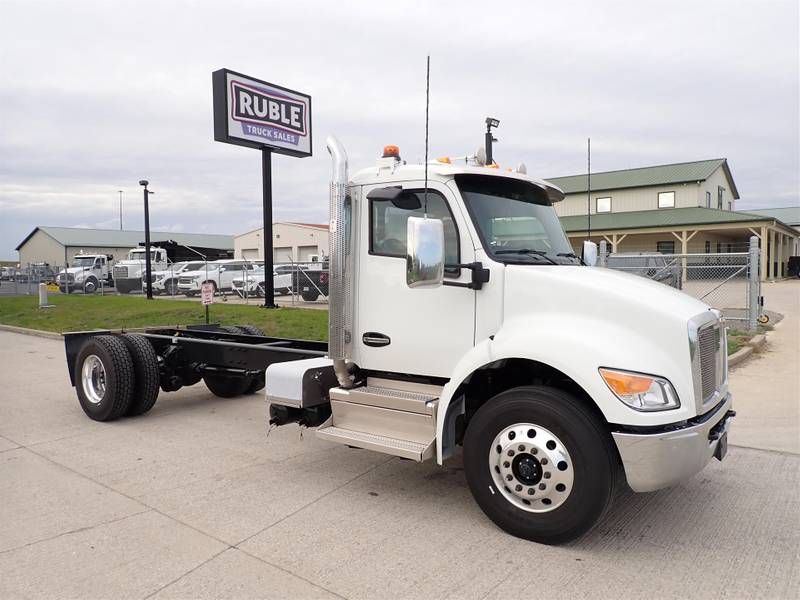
489,138
144,183
120,210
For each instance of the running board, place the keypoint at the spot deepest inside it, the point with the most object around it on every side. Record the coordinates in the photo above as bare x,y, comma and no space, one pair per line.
392,417
378,443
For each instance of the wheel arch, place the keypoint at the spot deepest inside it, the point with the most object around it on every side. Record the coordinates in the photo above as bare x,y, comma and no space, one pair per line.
481,376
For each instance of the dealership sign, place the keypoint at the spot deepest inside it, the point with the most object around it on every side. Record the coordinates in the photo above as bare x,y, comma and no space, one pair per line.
253,113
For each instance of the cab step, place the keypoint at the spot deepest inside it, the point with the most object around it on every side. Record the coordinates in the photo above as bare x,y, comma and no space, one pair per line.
393,417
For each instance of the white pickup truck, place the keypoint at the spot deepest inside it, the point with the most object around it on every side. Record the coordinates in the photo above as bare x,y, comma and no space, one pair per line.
166,281
85,274
128,273
220,274
461,322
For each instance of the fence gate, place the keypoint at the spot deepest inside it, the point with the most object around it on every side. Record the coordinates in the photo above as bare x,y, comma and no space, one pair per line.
729,282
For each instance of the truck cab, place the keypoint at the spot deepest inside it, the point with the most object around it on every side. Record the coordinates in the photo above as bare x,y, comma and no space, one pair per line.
553,376
128,273
85,273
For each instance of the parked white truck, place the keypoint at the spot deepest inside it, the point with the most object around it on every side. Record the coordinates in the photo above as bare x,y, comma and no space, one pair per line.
460,317
85,274
128,273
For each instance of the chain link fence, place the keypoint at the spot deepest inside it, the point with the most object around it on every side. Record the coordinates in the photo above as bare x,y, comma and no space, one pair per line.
727,281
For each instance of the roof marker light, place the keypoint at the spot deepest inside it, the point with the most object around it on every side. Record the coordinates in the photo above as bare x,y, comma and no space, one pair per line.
444,159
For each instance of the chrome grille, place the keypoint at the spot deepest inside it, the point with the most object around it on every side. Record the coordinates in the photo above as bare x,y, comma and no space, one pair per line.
185,280
709,346
120,272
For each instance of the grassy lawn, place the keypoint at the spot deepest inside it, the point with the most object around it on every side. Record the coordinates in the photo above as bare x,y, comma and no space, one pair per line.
83,313
737,338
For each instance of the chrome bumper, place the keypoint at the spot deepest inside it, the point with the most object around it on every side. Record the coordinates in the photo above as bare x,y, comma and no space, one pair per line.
656,460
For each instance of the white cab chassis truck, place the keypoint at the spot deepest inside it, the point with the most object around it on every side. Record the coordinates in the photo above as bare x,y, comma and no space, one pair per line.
128,273
85,274
459,317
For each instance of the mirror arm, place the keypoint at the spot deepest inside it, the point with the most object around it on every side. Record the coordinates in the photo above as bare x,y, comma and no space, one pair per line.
479,275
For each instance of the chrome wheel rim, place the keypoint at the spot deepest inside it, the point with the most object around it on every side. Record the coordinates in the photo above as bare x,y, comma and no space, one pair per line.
93,379
531,467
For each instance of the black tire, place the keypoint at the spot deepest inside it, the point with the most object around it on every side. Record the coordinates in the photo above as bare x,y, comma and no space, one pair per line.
259,381
91,285
227,387
62,289
594,463
145,367
310,295
171,287
118,379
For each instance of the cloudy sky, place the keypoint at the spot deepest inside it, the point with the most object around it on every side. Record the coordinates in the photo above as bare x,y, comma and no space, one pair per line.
97,95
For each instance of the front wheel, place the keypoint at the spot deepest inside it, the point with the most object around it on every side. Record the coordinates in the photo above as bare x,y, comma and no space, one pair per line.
539,464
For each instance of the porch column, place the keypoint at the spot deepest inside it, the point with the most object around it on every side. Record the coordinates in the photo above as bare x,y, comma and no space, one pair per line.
764,262
772,255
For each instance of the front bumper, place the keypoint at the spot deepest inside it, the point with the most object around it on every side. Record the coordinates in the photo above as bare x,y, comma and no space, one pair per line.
194,286
656,460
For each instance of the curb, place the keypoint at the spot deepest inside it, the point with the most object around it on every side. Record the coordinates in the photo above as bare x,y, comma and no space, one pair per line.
34,332
757,341
740,356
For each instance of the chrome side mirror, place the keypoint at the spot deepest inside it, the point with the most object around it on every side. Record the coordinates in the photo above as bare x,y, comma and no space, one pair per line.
425,253
590,254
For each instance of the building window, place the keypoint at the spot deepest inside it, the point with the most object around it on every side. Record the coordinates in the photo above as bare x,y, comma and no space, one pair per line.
730,206
708,199
720,191
665,247
604,205
719,247
666,200
708,242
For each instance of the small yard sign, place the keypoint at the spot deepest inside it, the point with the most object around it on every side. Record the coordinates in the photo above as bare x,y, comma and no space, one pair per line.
207,293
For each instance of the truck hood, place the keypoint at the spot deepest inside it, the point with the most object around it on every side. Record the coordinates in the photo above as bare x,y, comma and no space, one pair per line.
75,270
594,291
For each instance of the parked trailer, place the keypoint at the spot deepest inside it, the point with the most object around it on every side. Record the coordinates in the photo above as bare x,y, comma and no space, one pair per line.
458,316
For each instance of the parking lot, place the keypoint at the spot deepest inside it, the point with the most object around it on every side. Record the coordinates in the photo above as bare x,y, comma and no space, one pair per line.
199,498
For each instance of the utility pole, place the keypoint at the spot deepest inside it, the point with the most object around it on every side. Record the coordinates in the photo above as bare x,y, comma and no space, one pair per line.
120,210
266,182
146,281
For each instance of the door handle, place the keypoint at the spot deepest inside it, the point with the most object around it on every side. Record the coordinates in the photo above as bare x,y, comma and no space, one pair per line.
375,339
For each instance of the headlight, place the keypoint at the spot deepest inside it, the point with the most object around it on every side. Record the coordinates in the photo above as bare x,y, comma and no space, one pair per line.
641,392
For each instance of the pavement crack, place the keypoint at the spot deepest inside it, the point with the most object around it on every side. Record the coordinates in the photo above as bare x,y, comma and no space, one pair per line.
76,530
189,572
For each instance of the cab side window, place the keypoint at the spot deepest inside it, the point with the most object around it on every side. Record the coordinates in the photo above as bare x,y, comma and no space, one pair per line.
388,227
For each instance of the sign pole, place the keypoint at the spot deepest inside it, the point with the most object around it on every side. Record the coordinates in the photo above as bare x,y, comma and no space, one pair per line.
269,282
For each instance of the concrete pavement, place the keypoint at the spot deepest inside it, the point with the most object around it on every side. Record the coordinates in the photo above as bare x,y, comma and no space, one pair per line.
197,499
766,388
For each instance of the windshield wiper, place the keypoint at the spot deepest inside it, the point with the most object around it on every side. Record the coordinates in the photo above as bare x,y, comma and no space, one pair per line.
528,251
571,255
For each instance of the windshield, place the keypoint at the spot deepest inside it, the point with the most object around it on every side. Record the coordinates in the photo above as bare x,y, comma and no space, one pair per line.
83,261
140,255
515,220
194,266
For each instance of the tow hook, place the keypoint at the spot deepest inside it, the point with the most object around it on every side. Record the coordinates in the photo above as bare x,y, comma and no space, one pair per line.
721,427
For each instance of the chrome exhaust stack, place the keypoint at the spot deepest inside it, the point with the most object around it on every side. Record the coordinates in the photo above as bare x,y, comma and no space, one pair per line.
340,270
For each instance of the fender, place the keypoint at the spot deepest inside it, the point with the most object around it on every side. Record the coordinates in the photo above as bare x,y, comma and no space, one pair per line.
577,351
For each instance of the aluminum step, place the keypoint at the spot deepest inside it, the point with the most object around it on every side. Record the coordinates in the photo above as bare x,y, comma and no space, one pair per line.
379,443
423,401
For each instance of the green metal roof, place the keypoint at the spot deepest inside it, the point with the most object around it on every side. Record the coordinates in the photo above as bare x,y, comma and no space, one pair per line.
113,238
699,170
788,214
665,217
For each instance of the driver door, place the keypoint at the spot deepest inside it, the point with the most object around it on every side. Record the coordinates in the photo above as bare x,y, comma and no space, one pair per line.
403,330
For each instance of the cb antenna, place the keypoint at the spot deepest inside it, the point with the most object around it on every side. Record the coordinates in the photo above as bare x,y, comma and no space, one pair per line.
427,106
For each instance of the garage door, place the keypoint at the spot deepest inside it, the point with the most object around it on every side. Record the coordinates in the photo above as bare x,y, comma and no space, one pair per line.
306,252
281,255
251,253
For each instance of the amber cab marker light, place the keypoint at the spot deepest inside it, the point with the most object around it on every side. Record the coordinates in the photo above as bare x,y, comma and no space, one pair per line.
391,151
625,384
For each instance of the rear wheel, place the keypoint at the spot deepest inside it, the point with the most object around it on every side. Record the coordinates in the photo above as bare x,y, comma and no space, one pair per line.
104,378
539,464
310,295
259,381
145,367
227,387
